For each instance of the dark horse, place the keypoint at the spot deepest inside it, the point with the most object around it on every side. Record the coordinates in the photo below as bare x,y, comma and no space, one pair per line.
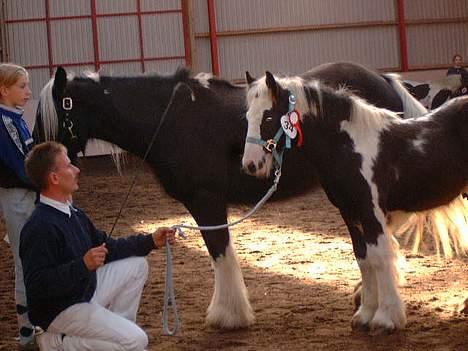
375,167
197,153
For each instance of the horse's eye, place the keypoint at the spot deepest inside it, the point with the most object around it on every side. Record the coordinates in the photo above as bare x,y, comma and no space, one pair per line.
267,116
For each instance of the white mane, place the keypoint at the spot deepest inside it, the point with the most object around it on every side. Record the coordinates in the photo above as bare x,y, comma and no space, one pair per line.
48,112
369,117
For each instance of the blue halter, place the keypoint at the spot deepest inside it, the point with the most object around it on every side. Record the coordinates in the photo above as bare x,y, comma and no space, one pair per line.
270,145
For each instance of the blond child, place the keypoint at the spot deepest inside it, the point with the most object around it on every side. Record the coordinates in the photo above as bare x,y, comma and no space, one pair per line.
17,195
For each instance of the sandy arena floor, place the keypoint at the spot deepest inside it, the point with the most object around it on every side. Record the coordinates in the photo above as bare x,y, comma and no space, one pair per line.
298,265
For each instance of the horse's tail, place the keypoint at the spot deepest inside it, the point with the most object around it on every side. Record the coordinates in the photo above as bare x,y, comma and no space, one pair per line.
448,225
411,106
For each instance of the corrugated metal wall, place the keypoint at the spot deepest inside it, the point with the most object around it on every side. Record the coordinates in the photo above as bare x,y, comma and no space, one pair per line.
293,36
117,36
289,36
436,31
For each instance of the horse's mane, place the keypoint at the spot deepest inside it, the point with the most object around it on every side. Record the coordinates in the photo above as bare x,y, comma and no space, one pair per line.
363,113
370,116
48,112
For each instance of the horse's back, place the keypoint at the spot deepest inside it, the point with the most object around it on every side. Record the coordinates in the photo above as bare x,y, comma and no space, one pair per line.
365,83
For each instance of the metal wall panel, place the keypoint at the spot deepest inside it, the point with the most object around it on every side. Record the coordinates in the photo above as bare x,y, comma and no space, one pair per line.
115,6
32,33
118,38
37,79
72,41
159,5
431,9
435,44
22,9
254,14
61,8
165,66
162,35
124,68
78,69
202,60
301,51
200,16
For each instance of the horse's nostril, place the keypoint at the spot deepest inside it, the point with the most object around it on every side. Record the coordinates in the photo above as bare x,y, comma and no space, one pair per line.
251,167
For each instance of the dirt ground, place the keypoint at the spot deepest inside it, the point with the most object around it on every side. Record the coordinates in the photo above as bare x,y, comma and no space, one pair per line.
298,265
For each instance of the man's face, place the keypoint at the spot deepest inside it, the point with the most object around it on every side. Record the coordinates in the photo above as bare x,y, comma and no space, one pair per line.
18,94
458,62
65,174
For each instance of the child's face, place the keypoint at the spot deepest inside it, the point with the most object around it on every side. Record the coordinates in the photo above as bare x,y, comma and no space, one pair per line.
18,94
458,61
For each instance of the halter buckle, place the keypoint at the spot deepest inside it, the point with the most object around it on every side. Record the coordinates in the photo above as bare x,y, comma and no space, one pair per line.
67,103
270,145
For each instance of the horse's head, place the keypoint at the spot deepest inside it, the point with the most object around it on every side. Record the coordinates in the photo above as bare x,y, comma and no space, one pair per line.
65,110
273,120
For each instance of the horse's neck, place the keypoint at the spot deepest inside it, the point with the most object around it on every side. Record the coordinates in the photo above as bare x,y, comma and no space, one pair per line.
137,125
132,117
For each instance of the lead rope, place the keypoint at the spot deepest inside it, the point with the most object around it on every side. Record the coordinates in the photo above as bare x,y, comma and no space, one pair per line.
169,295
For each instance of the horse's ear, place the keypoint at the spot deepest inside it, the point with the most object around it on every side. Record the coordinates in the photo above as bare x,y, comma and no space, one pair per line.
249,78
273,86
60,81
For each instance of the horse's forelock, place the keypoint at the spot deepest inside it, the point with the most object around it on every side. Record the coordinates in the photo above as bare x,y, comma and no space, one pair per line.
48,112
296,85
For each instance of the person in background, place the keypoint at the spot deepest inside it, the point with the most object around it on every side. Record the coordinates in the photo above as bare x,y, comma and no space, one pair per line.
458,68
17,194
83,287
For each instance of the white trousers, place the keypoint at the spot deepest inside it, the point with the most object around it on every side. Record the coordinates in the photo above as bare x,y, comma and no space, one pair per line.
107,322
16,205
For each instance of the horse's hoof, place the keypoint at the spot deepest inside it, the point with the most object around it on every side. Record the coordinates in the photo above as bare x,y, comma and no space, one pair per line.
362,318
219,319
385,323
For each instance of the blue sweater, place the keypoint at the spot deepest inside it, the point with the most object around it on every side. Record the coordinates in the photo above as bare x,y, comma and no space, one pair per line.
15,143
52,246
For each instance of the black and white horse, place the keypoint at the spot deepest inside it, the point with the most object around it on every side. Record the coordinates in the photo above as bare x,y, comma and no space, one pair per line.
197,153
435,93
375,167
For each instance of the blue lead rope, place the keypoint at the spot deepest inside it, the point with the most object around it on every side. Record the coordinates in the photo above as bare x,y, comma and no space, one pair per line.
169,296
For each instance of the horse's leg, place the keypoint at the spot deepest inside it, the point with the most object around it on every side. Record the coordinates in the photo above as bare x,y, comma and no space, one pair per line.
230,307
381,258
368,289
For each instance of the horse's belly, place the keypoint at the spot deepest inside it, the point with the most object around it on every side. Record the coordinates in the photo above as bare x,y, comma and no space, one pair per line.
421,198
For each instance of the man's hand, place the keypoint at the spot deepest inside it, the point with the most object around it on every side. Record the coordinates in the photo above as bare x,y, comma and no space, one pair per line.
162,234
95,257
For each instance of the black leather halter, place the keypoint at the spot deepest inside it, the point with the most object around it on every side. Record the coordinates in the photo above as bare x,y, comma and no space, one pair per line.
67,134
